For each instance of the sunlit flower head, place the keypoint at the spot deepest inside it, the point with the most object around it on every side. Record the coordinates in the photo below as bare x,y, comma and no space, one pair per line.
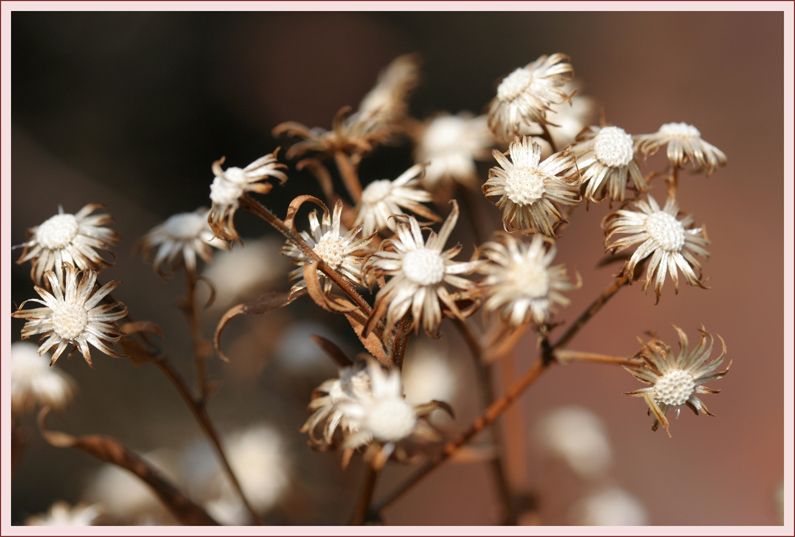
419,271
520,284
528,188
684,144
230,185
525,96
677,380
69,238
606,158
179,241
451,144
34,383
341,250
672,243
72,314
383,198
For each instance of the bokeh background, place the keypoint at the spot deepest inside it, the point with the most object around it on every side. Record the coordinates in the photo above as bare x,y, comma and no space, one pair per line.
130,110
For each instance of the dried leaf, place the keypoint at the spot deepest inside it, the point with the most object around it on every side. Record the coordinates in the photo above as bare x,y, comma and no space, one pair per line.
372,340
334,352
315,289
265,303
141,326
109,450
292,210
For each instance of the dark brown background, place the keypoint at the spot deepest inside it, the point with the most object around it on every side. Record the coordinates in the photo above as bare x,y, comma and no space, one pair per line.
130,109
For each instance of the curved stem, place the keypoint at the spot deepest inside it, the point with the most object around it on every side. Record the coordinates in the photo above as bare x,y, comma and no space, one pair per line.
546,135
200,347
349,175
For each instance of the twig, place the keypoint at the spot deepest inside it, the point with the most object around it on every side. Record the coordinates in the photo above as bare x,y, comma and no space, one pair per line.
563,356
368,489
200,347
349,175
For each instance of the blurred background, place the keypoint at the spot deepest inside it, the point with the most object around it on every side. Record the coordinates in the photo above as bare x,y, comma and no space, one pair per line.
131,109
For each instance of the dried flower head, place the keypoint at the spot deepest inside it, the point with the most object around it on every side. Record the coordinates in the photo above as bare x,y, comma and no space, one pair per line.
387,101
684,145
671,242
69,238
352,386
525,96
606,157
62,514
570,118
384,198
675,381
528,188
609,506
451,144
519,281
342,251
72,314
230,185
179,240
34,383
576,436
419,271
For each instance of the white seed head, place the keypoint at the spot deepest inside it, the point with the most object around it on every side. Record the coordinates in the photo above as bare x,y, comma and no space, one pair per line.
69,320
674,388
225,192
330,248
680,130
424,266
513,85
185,226
524,185
376,191
529,278
445,135
666,230
57,232
391,420
613,147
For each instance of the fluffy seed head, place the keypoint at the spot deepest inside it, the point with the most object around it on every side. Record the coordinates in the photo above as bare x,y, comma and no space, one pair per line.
674,388
391,420
666,230
680,130
524,185
424,266
58,231
514,84
376,191
613,147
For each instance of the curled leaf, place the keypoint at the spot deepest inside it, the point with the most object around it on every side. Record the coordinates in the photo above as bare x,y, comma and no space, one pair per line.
109,450
265,303
292,210
334,352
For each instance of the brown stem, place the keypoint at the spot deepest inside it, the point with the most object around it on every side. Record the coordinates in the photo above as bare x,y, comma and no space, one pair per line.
349,175
673,179
546,135
258,209
199,411
486,382
368,489
200,346
595,306
400,342
488,417
563,356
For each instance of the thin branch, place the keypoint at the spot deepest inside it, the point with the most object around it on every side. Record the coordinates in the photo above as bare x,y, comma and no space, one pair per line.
349,175
368,489
564,356
201,348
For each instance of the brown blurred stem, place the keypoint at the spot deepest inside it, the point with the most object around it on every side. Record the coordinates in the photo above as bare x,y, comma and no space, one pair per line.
546,135
349,175
368,489
563,356
486,382
200,346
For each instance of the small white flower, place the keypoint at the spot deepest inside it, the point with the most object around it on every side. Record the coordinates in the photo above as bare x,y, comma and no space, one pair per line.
73,315
69,238
383,198
179,240
341,251
451,144
62,514
34,383
675,381
578,437
672,243
519,281
610,506
684,145
230,185
525,96
606,158
528,188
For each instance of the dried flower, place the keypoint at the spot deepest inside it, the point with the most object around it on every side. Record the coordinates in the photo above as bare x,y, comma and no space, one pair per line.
387,101
578,437
684,145
569,119
69,238
230,185
342,252
519,282
34,383
73,315
525,96
609,506
528,189
606,158
62,514
675,381
179,240
451,144
383,198
418,271
670,242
